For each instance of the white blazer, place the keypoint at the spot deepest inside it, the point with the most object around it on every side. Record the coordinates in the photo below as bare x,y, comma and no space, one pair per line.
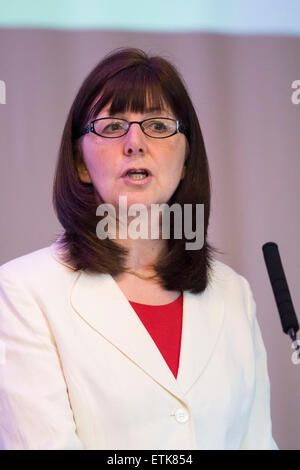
78,369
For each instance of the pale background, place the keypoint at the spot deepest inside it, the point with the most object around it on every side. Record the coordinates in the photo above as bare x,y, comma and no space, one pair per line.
238,59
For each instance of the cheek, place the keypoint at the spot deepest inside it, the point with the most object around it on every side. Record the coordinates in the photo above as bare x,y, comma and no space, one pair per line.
174,163
98,166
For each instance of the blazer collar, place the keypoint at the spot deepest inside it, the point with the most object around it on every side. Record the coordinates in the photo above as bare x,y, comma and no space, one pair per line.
99,301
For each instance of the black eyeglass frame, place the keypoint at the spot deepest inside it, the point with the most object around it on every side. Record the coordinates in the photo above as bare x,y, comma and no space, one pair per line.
91,128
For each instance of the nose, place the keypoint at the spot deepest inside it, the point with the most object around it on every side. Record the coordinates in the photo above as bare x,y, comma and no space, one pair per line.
135,143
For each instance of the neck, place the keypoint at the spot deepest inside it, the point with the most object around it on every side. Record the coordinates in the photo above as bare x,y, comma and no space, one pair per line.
142,253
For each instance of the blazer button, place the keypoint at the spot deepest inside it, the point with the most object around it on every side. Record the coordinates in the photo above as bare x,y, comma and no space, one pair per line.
181,415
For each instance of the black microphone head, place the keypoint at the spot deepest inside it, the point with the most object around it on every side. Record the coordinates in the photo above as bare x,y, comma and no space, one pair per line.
273,261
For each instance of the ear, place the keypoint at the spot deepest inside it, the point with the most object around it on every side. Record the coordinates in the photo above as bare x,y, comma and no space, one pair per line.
82,170
83,173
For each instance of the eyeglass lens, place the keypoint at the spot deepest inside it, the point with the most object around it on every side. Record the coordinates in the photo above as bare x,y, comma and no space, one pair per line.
156,127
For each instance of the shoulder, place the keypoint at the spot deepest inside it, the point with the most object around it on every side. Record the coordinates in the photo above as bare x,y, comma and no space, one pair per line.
40,267
233,286
27,260
222,273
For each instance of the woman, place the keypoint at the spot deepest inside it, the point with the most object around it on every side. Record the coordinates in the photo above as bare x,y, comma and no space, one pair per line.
118,342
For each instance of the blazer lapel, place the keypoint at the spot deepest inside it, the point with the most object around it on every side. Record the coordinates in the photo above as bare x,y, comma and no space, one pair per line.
203,317
99,301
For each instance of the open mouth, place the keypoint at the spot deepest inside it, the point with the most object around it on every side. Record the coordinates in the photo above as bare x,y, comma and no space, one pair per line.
137,174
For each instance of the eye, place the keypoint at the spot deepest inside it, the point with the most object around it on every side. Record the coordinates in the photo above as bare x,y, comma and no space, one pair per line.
113,126
159,126
108,127
156,125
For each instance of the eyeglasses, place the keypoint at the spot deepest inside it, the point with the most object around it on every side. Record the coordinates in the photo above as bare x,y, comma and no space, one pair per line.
157,128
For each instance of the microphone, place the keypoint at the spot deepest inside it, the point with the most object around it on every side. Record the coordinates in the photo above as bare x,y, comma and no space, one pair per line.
281,291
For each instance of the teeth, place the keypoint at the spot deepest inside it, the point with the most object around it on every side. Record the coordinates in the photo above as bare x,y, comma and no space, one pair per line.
137,176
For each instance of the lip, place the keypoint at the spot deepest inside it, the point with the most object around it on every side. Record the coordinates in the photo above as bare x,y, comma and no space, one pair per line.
142,182
133,168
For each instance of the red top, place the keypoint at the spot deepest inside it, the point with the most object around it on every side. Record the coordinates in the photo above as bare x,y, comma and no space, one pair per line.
164,324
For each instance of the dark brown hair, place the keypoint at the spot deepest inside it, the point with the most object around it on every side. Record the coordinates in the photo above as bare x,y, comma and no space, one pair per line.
128,77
